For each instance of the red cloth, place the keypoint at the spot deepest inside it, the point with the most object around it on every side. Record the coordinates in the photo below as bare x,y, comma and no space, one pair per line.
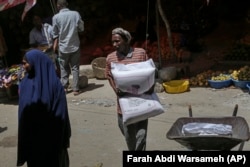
6,4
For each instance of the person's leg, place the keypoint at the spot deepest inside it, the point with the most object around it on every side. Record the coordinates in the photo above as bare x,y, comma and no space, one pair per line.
141,135
64,68
75,63
129,135
41,157
135,134
120,123
52,56
64,158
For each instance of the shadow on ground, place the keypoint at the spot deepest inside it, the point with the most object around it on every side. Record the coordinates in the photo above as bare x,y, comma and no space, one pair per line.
9,101
92,86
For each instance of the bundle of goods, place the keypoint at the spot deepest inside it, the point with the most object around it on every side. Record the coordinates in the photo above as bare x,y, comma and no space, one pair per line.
135,79
140,107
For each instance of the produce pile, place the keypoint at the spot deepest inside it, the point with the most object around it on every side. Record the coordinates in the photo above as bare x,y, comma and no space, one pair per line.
238,52
221,77
240,49
201,79
152,48
11,75
242,74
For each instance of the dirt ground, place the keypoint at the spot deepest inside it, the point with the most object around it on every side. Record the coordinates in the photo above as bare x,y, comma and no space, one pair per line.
96,140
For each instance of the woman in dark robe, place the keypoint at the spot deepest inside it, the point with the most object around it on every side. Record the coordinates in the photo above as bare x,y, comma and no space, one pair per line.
44,128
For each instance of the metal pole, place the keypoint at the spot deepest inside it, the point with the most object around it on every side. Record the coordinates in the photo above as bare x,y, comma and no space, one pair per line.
158,35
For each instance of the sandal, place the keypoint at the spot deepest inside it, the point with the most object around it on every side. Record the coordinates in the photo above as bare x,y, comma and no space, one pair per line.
77,93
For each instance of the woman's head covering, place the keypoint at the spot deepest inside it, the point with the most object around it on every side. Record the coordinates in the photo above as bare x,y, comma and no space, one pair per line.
42,80
123,33
42,106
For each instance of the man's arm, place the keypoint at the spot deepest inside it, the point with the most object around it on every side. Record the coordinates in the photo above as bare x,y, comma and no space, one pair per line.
55,34
55,45
80,25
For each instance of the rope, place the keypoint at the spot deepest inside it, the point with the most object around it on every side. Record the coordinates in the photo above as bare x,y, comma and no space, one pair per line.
147,26
53,7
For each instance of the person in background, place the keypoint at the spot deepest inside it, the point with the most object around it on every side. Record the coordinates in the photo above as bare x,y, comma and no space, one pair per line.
67,25
41,34
135,134
41,37
43,121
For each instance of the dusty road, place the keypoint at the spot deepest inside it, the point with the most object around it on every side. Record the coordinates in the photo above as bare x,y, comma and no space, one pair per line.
96,138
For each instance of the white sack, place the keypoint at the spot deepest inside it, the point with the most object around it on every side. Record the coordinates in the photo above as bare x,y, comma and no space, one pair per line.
141,107
199,128
134,78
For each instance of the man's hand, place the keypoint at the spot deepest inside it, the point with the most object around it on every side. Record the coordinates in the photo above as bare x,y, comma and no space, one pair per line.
49,49
120,93
151,90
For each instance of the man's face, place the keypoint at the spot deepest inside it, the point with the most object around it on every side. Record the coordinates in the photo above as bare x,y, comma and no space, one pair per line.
118,43
37,22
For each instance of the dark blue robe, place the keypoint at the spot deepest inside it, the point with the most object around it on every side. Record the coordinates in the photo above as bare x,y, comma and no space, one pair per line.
43,122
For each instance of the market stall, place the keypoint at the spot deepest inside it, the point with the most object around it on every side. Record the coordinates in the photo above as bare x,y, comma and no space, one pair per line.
10,75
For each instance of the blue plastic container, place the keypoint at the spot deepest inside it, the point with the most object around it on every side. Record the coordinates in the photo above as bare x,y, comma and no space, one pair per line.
248,86
240,84
220,84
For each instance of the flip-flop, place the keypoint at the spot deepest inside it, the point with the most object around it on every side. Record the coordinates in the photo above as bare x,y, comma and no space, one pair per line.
77,92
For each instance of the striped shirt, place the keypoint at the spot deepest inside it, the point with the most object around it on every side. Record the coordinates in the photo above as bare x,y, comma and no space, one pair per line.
135,55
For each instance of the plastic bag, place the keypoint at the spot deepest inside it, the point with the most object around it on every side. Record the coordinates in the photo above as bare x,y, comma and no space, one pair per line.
198,128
